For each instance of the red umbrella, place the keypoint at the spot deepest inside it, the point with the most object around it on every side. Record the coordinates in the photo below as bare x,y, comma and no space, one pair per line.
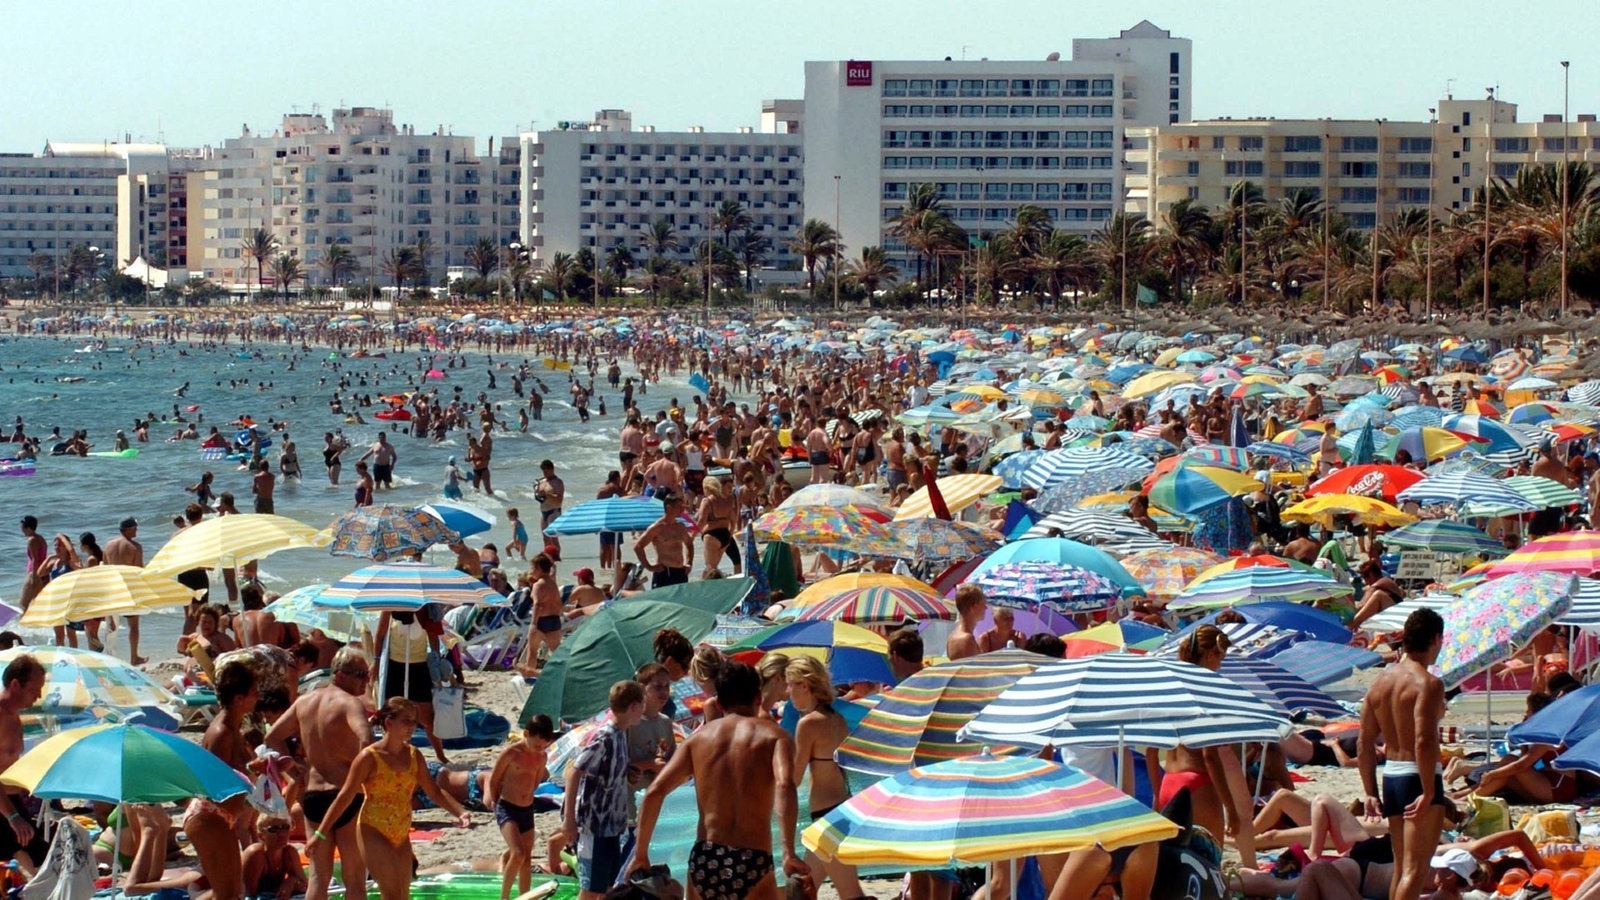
1366,481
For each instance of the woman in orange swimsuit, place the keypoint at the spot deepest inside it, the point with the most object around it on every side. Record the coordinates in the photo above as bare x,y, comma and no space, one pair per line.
387,773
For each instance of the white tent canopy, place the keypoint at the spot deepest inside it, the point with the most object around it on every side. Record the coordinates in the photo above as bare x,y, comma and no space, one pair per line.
156,278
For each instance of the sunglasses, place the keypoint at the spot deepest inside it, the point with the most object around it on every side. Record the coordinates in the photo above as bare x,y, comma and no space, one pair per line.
274,829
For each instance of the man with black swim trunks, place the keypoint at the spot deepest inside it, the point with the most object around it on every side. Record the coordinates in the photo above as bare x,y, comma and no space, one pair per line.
1403,708
329,728
742,763
383,459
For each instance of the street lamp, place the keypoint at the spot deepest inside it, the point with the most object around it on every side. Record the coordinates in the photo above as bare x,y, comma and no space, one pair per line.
837,239
1433,156
1377,217
1566,172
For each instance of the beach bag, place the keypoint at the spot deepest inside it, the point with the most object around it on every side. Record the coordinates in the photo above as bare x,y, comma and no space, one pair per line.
1550,825
449,713
1490,815
267,798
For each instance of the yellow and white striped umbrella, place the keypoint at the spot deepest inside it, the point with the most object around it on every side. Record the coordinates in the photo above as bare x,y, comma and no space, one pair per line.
231,541
959,492
103,591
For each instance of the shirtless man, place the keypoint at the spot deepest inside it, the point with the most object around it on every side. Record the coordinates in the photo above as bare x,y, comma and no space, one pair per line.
749,760
674,546
585,594
125,550
970,607
551,492
632,442
817,453
480,473
383,459
261,486
1302,548
1402,709
894,454
23,684
665,475
331,727
546,604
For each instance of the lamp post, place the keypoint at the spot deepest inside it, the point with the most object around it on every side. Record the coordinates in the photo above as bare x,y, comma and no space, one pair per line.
1377,217
1327,213
1566,172
1488,173
837,239
1433,155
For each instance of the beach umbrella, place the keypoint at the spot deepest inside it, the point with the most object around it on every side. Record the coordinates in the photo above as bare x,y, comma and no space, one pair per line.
613,514
1566,721
1125,699
873,506
299,607
944,540
1235,458
1461,487
915,722
1443,536
608,646
123,764
1546,492
1125,634
1091,527
1061,550
1154,381
1282,452
1244,638
406,587
380,532
1070,493
1322,662
1164,573
852,652
1059,466
1394,618
78,681
1011,468
1314,623
1414,416
1066,588
103,591
232,541
1257,583
838,584
1497,618
1386,481
1426,443
879,606
841,528
1279,688
1327,508
958,491
1193,488
1574,552
981,809
1493,436
463,520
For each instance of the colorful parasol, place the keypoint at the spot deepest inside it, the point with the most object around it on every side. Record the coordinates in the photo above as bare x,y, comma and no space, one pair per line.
1165,573
1325,509
123,763
944,540
879,606
381,532
1258,583
1497,618
1190,488
1063,587
299,607
1366,481
838,584
1444,536
230,541
873,506
77,681
982,809
406,587
959,492
841,528
1575,552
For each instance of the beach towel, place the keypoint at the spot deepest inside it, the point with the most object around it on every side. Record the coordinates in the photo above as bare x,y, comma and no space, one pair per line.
68,870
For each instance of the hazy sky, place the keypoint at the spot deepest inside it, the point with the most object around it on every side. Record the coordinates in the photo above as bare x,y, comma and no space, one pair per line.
193,72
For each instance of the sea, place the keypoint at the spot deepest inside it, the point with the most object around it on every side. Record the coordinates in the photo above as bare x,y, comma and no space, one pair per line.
276,381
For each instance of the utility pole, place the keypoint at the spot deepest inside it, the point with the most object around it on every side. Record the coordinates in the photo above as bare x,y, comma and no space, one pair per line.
837,239
1377,220
1566,172
1433,157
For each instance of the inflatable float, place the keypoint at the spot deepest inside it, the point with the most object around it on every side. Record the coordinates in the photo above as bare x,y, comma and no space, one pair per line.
17,467
393,415
129,453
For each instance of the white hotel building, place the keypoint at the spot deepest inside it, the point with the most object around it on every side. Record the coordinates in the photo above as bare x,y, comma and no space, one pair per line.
992,135
603,183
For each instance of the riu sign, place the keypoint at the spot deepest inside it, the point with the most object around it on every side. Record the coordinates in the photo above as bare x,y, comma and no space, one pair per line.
858,73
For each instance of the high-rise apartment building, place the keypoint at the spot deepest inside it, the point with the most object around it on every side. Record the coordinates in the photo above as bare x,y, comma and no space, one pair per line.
606,182
1366,169
990,135
361,181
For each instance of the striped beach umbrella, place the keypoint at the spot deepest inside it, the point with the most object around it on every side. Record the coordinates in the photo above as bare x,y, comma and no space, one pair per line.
818,591
1258,583
613,514
299,607
123,764
1460,487
915,722
1443,536
958,491
1069,494
852,652
231,541
381,532
1194,488
944,540
1063,587
1090,527
103,591
1011,468
406,587
1394,618
982,809
1323,663
1585,612
879,606
1116,699
1574,552
1280,688
1060,466
873,506
1061,550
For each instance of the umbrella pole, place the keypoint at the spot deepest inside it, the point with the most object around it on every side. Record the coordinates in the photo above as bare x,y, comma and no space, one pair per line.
1488,722
383,670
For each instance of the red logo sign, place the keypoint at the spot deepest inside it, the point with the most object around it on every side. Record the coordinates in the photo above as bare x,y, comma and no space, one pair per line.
1368,485
858,73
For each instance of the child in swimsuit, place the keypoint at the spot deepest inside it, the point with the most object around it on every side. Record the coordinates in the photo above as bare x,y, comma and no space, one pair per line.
517,772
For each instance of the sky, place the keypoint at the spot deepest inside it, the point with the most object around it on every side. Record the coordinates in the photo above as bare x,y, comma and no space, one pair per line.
193,73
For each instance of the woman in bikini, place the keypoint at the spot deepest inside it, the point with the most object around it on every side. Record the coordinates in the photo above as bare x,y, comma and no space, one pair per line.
817,735
1214,775
717,516
63,558
387,773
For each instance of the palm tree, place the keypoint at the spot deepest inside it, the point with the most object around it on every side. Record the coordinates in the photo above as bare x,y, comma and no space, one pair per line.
399,265
286,271
872,271
1185,247
922,209
338,263
518,270
659,273
731,217
1122,247
423,271
558,275
751,248
661,238
816,240
1064,260
620,261
43,266
260,245
484,257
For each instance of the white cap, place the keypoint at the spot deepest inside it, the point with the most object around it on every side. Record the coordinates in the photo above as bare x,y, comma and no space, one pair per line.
1456,860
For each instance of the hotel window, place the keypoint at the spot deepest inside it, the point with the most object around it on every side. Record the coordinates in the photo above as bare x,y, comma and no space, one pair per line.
1303,143
921,111
1302,169
1047,87
946,111
1193,167
995,111
1075,87
1047,191
944,162
1047,140
1359,145
946,87
1362,221
994,140
969,191
1021,112
1413,196
1101,111
1253,142
1555,145
995,192
1077,111
971,87
971,139
971,112
894,139
1248,168
1022,140
1050,111
1100,140
971,162
996,162
1021,162
1077,140
996,87
1099,214
921,140
920,87
1416,170
1358,195
1218,142
895,111
1511,145
1047,162
921,162
1100,87
1022,87
1416,145
1099,162
894,190
1358,169
1506,170
944,138
894,162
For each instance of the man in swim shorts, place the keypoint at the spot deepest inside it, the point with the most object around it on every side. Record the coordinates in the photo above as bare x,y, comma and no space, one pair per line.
551,492
743,763
1403,708
383,459
673,544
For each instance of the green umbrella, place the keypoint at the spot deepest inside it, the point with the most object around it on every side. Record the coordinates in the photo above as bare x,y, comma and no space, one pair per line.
718,595
608,647
777,558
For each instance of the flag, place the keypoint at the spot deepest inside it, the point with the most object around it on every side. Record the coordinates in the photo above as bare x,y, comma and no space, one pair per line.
1364,452
1147,296
699,383
930,476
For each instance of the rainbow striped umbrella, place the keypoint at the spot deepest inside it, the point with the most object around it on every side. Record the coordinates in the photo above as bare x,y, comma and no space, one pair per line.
406,587
77,681
915,722
380,532
1061,586
879,606
982,809
840,528
1576,552
853,653
838,584
874,506
1190,488
1165,573
123,763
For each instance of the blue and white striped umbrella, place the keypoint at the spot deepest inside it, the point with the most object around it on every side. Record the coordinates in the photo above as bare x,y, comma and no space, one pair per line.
1094,527
406,587
1060,466
1444,536
1459,487
1011,468
463,520
1417,417
1280,688
1244,639
1585,612
1322,663
610,514
1275,450
1114,699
